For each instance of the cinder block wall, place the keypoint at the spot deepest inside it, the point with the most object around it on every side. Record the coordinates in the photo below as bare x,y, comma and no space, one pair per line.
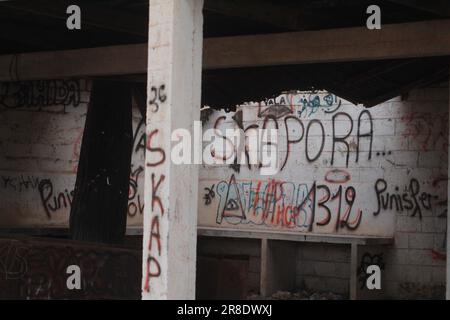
41,129
409,158
245,248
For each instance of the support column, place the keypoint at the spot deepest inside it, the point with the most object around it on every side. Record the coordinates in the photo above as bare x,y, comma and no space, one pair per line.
173,102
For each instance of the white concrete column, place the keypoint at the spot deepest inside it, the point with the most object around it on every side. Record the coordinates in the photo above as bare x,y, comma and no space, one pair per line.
173,101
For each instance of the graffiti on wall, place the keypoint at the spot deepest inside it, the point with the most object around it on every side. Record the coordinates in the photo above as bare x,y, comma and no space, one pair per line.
36,269
135,201
13,264
410,198
135,196
304,104
51,199
368,259
427,130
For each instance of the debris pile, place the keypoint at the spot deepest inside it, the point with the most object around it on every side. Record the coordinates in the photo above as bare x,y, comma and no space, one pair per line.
300,295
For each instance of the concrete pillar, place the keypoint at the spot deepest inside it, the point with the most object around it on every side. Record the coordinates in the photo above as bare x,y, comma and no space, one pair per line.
173,101
448,213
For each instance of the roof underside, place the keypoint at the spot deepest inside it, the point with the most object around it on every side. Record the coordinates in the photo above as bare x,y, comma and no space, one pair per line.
39,25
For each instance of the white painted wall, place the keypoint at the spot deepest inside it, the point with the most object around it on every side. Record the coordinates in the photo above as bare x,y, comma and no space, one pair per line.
40,139
410,140
448,221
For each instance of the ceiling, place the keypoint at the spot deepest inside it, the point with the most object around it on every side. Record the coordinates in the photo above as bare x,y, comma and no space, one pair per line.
39,25
363,82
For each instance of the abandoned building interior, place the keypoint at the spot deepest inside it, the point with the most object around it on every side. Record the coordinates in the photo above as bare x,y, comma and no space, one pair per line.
86,122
